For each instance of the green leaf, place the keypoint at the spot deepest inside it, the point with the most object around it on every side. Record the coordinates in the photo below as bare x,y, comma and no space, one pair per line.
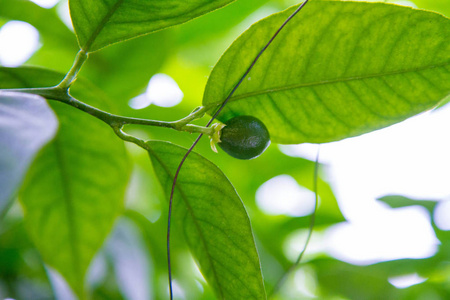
338,69
213,26
57,42
75,188
440,6
45,20
133,62
101,23
27,123
216,225
353,282
397,201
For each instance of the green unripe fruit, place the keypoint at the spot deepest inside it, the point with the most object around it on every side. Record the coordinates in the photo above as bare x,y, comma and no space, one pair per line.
244,137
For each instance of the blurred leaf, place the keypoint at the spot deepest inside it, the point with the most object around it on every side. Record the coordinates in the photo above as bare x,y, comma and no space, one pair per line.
27,123
217,23
396,201
154,236
371,282
272,231
74,190
124,70
440,6
58,44
71,209
45,20
216,224
22,273
302,170
99,24
338,69
353,282
126,249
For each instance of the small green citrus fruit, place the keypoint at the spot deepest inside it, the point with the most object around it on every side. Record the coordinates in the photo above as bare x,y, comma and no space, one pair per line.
244,137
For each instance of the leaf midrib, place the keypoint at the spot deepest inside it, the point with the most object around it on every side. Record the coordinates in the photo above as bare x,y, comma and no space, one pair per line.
325,82
68,205
101,25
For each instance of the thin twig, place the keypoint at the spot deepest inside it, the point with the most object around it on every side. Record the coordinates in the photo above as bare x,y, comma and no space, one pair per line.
59,94
200,136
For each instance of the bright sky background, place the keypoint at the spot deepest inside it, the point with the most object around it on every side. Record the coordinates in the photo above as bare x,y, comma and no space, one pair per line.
410,159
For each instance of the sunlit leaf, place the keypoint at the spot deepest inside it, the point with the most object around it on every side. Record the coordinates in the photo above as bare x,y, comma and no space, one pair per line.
212,26
338,69
27,123
75,188
101,23
216,225
440,6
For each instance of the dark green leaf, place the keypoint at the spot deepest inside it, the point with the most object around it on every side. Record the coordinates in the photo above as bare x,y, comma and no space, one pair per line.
216,225
27,123
101,23
75,188
338,69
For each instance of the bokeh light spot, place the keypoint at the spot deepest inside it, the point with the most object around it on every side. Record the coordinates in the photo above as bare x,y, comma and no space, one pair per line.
442,215
45,3
282,195
405,281
18,41
162,91
391,234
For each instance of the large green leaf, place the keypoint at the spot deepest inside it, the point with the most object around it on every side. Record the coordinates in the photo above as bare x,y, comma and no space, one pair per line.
338,69
27,123
75,188
216,225
101,23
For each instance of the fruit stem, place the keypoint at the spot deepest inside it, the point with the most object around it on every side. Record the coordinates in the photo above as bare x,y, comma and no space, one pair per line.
197,113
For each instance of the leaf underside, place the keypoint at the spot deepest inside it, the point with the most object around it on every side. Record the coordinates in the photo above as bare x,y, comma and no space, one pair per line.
101,23
216,225
27,123
338,69
75,188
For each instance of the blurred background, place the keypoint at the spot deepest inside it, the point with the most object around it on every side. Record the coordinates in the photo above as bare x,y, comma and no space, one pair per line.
382,228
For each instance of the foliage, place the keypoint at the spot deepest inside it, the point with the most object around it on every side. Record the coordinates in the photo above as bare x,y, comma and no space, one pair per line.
70,142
